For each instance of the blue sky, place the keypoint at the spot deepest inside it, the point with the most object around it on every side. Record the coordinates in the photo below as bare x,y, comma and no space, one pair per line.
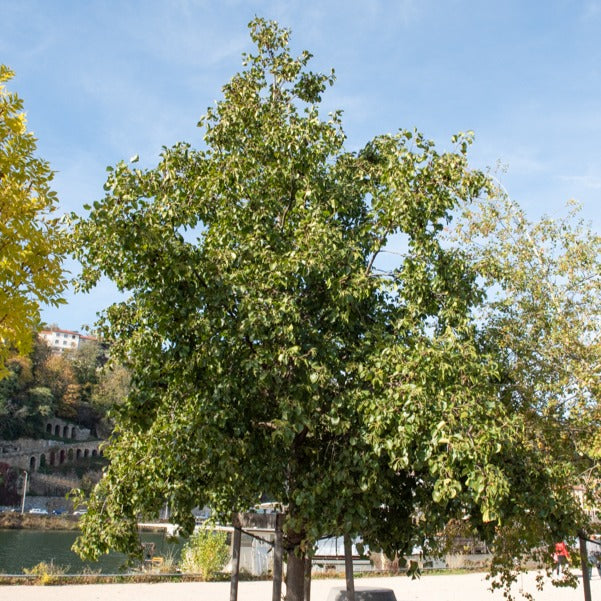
103,80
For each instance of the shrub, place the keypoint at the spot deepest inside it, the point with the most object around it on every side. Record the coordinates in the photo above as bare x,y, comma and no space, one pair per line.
205,553
46,573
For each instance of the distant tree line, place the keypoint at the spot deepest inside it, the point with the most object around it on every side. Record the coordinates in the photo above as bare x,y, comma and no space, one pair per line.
78,386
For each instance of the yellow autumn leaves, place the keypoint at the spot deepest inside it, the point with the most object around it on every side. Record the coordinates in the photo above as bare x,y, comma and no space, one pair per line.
32,243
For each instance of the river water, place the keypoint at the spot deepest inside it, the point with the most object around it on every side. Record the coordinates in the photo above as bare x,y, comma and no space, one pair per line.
25,548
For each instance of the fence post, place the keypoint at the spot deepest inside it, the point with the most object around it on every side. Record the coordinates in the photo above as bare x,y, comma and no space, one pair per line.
236,543
308,563
348,568
277,559
586,582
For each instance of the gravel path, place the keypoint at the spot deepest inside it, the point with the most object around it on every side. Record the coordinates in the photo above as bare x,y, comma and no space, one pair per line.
465,587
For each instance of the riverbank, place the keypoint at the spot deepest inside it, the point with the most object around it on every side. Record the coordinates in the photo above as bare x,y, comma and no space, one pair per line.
464,587
32,521
36,521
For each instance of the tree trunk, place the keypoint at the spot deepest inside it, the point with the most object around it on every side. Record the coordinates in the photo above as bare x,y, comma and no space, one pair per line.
295,577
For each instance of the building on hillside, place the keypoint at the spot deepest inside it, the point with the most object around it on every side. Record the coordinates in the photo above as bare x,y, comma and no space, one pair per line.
61,340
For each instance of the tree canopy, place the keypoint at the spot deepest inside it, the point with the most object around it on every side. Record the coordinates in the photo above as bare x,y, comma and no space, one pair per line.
542,315
31,240
274,352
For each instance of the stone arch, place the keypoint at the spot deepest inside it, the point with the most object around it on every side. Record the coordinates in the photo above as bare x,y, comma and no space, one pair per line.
32,464
52,458
73,433
57,430
65,431
61,457
48,428
42,460
94,452
70,455
78,454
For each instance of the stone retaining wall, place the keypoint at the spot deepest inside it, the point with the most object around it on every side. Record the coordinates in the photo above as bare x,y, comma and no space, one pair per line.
29,454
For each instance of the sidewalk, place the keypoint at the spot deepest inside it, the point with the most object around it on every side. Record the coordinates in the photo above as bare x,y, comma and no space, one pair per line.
465,587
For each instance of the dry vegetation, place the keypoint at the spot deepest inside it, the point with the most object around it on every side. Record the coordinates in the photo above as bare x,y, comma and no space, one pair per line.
13,521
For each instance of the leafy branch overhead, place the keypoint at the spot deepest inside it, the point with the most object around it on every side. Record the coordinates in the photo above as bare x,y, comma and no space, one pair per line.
542,314
274,352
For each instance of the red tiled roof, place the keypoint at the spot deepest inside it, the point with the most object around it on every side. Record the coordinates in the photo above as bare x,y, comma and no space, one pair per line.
72,333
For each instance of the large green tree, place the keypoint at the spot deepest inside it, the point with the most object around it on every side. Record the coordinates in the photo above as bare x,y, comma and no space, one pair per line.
31,241
273,351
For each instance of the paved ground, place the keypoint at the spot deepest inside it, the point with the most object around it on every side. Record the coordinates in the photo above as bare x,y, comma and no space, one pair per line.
467,587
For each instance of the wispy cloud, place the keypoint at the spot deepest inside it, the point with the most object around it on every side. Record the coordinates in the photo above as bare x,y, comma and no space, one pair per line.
184,37
592,9
591,182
